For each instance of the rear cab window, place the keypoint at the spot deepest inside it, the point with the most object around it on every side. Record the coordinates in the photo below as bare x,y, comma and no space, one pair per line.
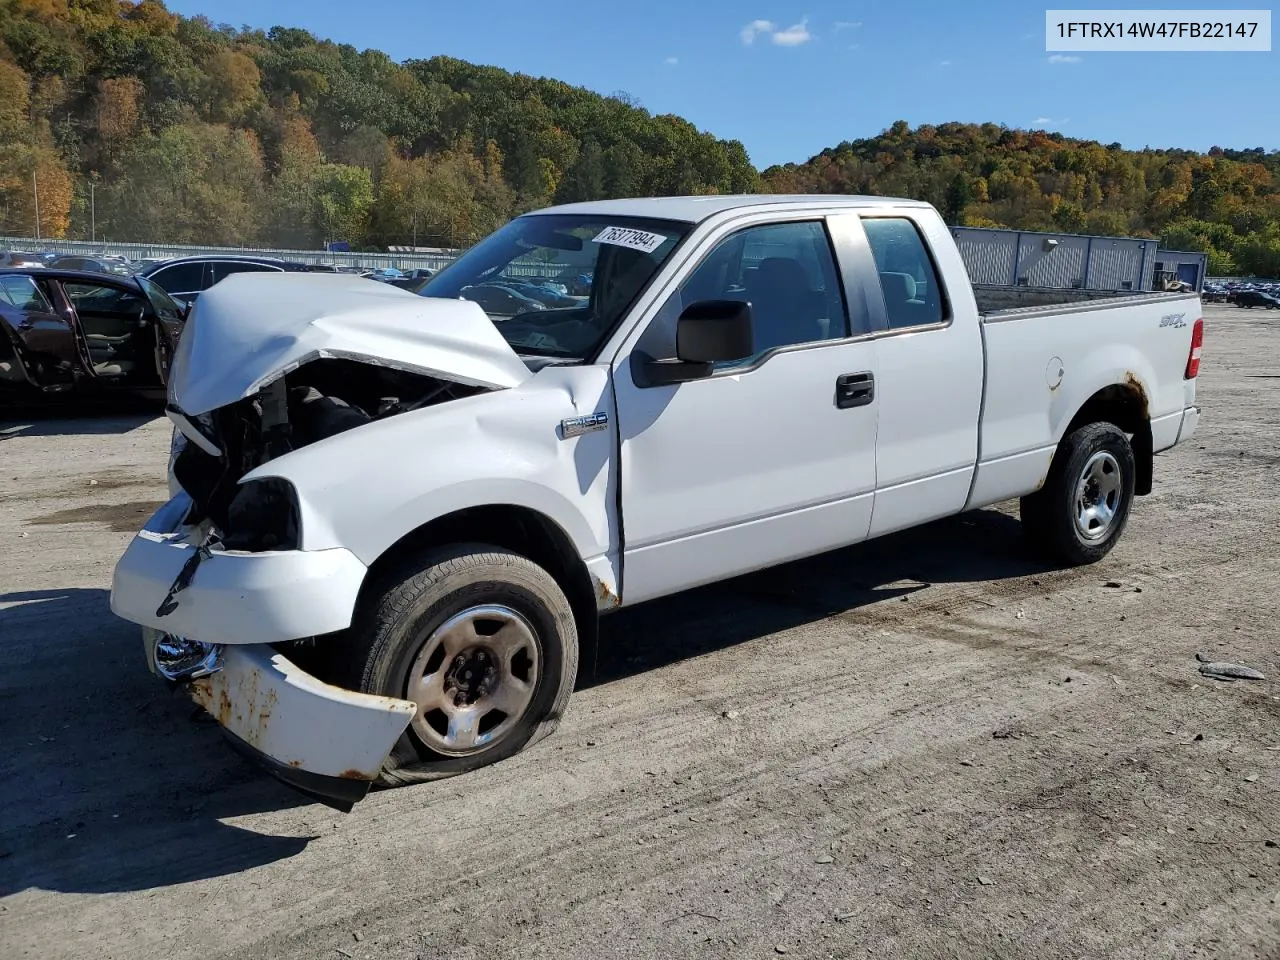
909,282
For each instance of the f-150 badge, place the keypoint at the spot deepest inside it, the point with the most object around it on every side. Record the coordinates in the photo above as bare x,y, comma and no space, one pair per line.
576,426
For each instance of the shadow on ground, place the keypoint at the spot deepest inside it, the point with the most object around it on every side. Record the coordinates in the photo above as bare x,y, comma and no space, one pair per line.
984,545
68,417
112,783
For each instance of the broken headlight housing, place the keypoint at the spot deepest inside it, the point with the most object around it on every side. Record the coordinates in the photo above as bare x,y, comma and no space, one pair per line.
181,659
263,515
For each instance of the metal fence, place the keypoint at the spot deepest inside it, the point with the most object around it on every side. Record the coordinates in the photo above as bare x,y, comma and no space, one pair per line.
1063,260
402,259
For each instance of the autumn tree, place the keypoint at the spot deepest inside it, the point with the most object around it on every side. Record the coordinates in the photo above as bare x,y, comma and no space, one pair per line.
118,108
231,85
34,176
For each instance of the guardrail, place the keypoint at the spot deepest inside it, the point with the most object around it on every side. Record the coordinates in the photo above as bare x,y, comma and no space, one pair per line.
432,259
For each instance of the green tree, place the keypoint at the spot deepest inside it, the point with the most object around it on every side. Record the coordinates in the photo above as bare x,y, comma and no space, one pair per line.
343,198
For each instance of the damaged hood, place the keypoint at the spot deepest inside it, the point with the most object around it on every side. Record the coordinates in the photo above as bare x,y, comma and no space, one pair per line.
251,328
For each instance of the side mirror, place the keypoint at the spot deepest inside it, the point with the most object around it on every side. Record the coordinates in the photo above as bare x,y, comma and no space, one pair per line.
708,332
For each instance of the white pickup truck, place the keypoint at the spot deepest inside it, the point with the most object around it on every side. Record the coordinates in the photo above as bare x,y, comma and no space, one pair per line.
427,501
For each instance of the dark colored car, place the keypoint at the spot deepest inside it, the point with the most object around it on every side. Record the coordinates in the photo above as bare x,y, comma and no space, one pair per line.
67,329
117,266
500,300
576,284
412,284
544,294
1255,298
185,278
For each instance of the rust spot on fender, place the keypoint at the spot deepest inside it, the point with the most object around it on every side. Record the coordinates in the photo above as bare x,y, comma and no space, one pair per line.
606,594
353,775
295,763
1132,381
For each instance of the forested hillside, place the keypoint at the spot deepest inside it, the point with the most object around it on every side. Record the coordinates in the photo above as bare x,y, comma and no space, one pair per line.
192,132
166,128
1226,202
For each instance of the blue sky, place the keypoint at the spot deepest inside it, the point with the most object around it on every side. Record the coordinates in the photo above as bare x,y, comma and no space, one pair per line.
789,78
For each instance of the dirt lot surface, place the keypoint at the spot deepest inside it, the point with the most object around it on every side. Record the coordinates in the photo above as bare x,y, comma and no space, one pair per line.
926,746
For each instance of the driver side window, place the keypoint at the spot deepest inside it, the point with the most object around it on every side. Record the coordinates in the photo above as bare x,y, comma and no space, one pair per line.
786,271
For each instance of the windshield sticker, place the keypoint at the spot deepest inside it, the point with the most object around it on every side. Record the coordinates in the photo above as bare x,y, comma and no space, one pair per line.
640,240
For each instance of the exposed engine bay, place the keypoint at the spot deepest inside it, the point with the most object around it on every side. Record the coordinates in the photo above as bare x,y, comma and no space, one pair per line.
315,401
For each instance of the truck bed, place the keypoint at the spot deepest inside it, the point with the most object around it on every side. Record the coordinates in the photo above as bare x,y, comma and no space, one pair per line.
1041,369
1004,302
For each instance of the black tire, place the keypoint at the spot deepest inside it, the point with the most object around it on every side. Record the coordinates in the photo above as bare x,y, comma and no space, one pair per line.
1049,516
411,605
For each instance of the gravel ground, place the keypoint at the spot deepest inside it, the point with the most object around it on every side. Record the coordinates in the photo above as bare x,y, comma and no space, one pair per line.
926,746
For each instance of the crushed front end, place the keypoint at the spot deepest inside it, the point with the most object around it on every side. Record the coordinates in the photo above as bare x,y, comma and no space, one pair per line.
231,602
233,594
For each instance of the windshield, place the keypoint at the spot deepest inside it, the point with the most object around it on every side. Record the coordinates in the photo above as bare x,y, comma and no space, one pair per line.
555,285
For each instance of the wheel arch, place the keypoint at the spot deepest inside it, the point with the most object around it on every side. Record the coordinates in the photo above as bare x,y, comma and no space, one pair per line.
1125,405
521,529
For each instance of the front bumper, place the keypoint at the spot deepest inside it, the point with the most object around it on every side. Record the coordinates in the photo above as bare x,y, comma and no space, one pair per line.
234,597
324,741
327,742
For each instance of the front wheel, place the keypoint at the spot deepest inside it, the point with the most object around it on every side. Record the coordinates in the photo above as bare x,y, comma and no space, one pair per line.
483,640
1082,509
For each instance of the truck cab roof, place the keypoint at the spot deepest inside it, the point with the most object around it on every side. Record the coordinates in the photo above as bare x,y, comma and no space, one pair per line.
697,209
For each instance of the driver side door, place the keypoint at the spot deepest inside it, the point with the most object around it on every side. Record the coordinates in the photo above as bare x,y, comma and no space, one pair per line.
770,458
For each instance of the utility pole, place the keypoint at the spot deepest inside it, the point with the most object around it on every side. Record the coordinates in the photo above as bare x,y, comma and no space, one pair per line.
93,215
415,231
35,192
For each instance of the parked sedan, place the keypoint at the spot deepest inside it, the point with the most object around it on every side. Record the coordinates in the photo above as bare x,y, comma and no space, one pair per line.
499,300
64,329
185,278
117,266
1255,298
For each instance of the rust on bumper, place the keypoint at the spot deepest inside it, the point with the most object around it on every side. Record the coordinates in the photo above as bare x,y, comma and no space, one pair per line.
299,726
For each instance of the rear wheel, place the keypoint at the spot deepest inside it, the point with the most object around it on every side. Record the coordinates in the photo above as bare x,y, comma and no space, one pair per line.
1082,509
483,640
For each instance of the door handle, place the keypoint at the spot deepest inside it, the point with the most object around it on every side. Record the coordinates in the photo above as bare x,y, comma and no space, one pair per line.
855,389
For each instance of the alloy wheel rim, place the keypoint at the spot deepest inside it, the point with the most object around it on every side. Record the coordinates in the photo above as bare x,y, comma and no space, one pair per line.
473,679
1098,494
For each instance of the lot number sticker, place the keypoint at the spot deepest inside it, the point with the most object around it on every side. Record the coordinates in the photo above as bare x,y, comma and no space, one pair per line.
635,239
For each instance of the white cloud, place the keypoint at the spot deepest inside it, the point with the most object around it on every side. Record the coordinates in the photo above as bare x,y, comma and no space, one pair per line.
1062,58
847,25
944,63
794,35
752,29
671,61
1050,121
1043,120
